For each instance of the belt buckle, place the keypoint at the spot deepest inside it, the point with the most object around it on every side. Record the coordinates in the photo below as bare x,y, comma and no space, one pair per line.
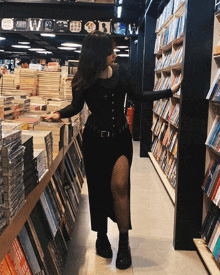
105,133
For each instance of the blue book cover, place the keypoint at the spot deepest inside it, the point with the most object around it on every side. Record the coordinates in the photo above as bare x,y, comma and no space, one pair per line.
217,247
212,171
51,208
29,251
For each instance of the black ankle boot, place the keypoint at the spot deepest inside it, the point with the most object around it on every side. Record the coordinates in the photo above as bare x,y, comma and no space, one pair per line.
103,246
123,260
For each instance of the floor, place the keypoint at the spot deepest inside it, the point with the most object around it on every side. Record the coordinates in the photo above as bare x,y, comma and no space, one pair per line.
151,238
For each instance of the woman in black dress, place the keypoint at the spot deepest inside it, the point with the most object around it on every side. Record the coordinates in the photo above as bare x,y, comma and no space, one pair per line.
107,141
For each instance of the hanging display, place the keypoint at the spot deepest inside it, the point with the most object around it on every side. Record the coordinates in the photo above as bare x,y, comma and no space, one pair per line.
48,25
76,26
61,25
7,24
35,24
105,26
89,26
119,28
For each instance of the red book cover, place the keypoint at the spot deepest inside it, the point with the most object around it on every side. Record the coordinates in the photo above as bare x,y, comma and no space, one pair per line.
4,268
10,264
19,259
215,189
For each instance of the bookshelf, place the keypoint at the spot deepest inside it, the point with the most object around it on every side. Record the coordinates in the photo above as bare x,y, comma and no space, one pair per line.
12,230
193,41
207,243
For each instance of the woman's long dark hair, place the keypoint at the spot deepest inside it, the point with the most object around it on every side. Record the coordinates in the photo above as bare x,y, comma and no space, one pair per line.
95,49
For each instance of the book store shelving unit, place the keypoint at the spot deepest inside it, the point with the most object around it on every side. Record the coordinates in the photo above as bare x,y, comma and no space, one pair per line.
61,186
208,245
182,46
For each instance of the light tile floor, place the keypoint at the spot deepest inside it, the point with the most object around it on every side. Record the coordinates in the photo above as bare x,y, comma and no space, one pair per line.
151,238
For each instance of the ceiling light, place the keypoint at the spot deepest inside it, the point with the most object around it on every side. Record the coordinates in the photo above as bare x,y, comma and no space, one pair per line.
24,43
2,38
21,46
117,50
123,55
119,11
66,48
71,45
122,47
36,49
48,34
1,50
44,52
77,51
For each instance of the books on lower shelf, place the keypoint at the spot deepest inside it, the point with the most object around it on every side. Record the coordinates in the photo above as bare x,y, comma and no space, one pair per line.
213,138
211,231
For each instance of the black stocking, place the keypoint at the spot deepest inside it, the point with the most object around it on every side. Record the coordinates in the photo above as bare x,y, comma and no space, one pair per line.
119,188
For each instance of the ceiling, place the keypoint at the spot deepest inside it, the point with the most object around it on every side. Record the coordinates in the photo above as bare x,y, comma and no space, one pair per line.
100,10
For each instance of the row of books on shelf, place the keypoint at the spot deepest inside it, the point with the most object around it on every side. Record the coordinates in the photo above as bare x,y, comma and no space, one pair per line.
170,59
167,136
166,161
162,109
168,11
163,83
213,138
214,91
211,184
41,246
211,232
174,31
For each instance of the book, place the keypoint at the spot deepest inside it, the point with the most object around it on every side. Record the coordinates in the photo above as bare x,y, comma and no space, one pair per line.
19,257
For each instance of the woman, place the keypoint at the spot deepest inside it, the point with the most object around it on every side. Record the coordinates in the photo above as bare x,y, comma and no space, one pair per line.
107,142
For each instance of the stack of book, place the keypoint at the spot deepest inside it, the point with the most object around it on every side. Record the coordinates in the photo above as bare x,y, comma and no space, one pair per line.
8,86
24,101
49,84
12,165
43,140
57,129
7,107
27,79
39,156
38,107
27,119
30,165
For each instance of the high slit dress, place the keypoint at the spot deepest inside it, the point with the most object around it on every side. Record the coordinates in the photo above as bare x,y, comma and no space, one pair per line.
106,137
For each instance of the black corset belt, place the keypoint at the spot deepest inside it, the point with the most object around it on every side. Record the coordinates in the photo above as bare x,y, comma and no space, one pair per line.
108,134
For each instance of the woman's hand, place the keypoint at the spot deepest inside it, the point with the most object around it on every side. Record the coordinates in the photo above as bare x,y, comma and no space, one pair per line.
55,116
175,88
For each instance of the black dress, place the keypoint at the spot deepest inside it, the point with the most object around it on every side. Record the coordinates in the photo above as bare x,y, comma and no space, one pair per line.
106,137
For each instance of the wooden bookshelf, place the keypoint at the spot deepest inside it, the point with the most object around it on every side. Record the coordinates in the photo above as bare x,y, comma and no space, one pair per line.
206,256
12,230
196,41
169,188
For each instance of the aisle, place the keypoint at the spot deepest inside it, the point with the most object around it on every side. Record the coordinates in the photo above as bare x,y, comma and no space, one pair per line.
150,239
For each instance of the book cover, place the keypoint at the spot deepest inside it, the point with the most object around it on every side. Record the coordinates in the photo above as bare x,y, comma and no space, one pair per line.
19,257
212,171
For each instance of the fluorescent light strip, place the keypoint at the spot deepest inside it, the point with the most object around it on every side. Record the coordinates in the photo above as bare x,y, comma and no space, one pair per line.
24,43
36,49
2,38
123,55
122,47
66,48
48,34
71,45
119,11
21,46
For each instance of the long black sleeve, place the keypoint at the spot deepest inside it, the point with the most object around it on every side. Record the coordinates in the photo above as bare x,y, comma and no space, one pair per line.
76,105
146,96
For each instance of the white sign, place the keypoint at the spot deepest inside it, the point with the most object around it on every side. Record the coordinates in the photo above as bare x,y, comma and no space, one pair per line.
7,24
